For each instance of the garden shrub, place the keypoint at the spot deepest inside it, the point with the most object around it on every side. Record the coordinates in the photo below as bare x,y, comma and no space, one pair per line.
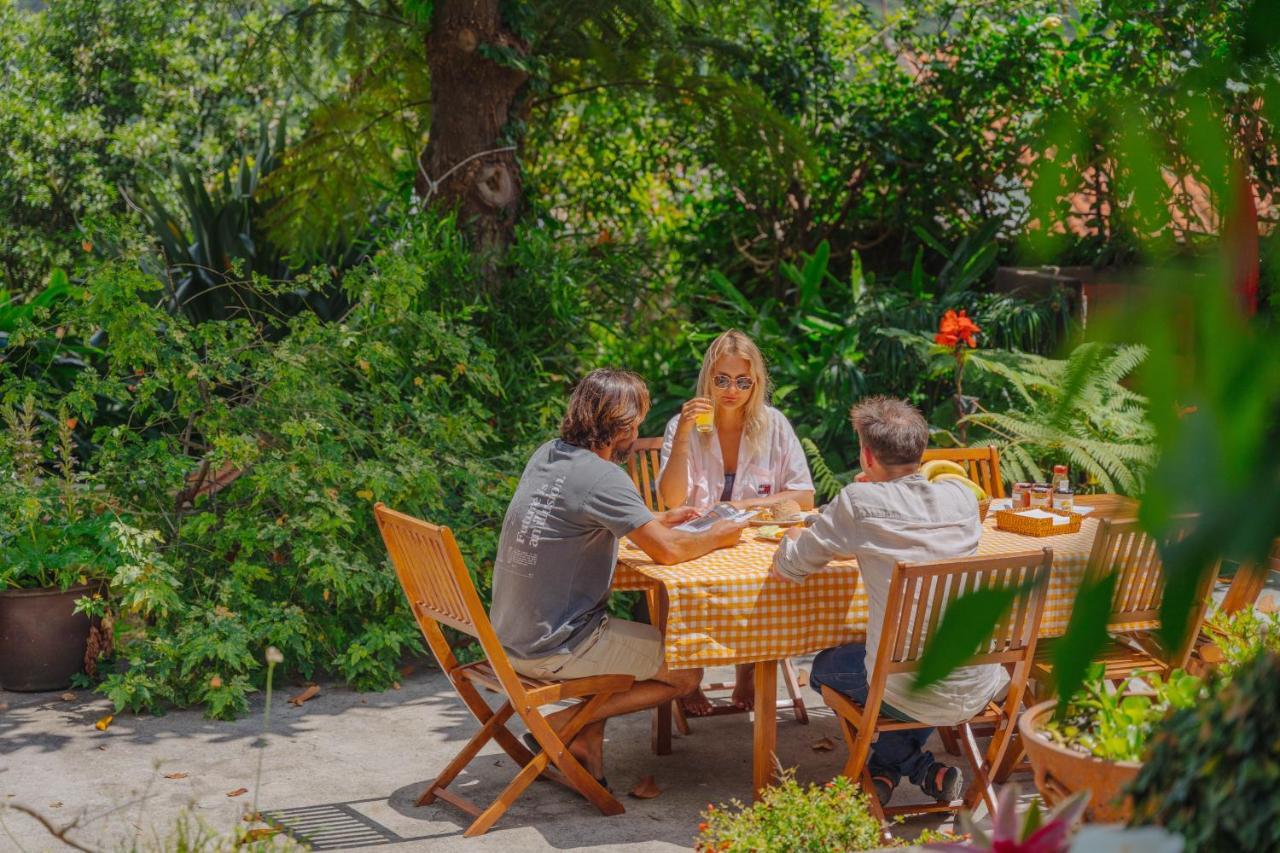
403,402
1213,769
795,817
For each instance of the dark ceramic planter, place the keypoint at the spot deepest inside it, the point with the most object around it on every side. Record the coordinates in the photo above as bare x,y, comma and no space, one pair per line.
42,638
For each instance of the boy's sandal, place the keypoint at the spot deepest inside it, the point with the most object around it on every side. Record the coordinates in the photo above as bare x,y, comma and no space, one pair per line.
884,788
942,782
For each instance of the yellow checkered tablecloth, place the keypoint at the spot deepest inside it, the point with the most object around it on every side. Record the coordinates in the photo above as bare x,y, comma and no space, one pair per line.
723,609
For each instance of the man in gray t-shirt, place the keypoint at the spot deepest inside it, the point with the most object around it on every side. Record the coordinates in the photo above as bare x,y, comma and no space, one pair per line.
558,550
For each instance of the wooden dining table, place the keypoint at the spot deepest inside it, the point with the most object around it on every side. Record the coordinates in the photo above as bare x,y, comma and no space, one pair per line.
722,608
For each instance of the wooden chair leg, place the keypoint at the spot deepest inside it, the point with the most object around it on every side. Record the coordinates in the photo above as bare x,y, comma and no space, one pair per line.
1013,754
508,796
949,742
981,787
554,751
482,712
554,747
793,690
468,752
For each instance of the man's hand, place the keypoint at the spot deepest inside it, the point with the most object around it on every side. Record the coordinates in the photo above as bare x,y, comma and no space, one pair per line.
726,533
793,534
678,515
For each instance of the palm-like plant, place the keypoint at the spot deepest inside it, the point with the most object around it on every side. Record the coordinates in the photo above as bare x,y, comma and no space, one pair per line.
441,95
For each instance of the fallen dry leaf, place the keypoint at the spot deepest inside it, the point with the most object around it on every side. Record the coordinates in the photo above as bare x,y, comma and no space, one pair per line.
237,792
175,775
252,817
102,724
68,697
310,693
823,744
646,789
408,670
395,685
103,748
802,678
260,833
56,804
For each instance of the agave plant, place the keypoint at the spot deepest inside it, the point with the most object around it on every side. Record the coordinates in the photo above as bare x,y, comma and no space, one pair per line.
219,263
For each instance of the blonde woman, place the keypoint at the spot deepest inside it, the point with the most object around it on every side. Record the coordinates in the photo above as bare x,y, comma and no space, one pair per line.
749,457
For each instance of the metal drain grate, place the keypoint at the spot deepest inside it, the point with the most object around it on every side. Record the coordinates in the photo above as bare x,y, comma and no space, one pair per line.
333,826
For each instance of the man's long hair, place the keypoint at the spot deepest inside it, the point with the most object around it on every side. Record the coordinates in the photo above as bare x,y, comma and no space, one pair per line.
605,403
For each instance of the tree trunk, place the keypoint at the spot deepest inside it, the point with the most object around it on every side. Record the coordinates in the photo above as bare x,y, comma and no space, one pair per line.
471,98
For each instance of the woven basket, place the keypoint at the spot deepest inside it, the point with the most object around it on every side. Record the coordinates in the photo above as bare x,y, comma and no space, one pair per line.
983,507
1010,520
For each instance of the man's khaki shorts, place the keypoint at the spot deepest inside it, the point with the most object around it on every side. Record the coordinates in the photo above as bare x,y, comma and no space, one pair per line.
617,647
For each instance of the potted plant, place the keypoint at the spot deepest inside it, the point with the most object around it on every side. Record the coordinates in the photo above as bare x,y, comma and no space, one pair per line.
1097,743
54,555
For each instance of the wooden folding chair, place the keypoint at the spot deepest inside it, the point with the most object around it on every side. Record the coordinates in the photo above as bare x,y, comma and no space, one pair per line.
918,595
982,463
440,591
644,464
1122,546
1249,581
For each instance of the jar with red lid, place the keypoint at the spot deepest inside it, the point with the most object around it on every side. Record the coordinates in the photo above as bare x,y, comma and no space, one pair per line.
1060,480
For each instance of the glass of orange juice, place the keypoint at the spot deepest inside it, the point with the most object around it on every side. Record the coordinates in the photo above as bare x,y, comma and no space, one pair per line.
703,420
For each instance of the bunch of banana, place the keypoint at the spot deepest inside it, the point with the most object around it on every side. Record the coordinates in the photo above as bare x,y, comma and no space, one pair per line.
945,469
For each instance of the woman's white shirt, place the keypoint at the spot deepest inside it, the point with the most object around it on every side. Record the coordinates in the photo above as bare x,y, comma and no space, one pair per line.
779,465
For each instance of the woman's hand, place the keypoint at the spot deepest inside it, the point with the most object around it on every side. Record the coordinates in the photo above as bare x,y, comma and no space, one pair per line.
689,411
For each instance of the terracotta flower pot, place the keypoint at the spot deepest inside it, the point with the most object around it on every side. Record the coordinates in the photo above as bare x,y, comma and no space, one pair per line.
1061,772
42,638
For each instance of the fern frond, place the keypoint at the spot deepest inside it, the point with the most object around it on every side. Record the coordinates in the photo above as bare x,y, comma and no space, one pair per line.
827,483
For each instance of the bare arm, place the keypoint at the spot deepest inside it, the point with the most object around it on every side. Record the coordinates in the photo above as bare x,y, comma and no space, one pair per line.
673,484
804,497
666,546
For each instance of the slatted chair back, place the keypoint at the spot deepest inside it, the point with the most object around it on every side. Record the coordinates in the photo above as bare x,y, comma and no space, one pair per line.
439,589
643,465
1122,545
982,463
920,593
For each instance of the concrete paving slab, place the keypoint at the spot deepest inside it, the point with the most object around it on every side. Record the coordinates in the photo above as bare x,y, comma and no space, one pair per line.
348,767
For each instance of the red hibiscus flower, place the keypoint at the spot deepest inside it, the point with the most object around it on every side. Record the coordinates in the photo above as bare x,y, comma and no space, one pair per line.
956,327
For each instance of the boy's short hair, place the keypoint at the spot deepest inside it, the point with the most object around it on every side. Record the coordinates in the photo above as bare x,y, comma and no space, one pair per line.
893,430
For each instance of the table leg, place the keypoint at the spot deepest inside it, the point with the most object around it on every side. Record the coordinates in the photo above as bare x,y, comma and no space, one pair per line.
766,728
660,718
